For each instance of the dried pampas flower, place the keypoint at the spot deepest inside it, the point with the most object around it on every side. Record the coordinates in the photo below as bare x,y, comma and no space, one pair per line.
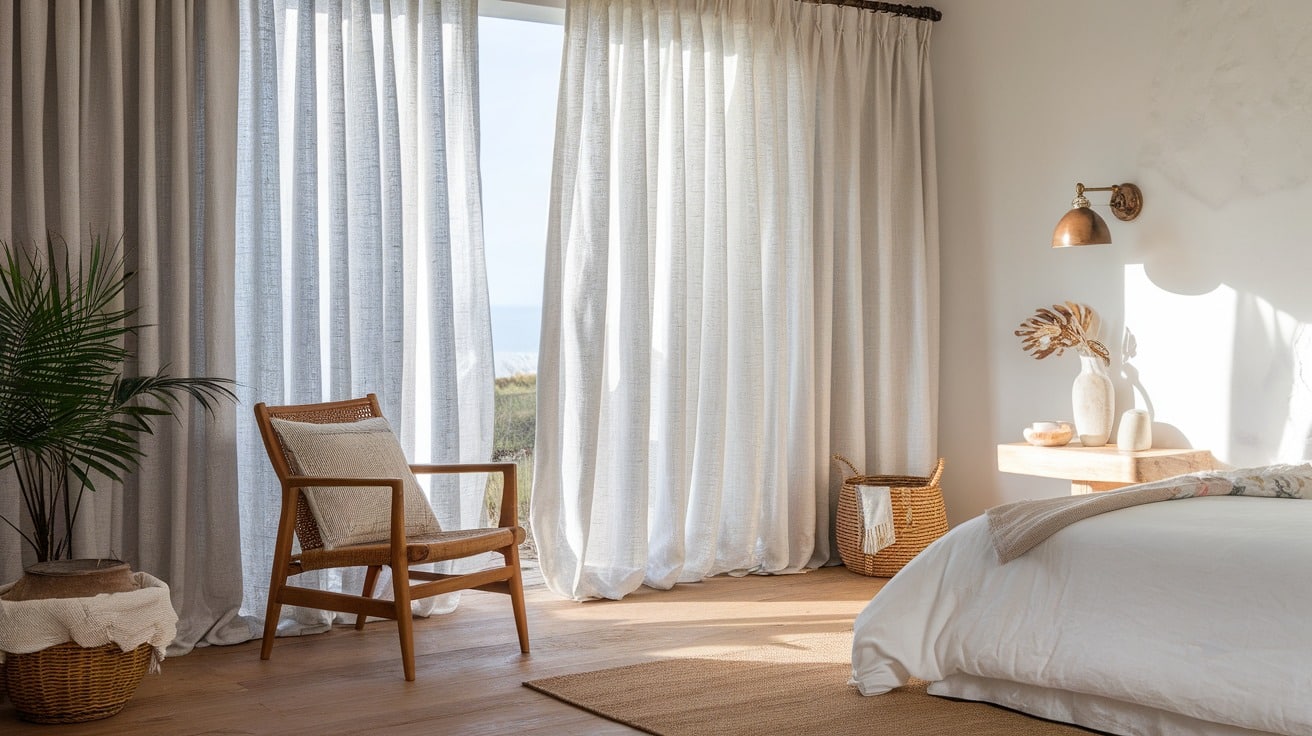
1069,325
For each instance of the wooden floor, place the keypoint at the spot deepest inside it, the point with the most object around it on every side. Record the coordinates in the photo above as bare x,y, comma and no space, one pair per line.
469,665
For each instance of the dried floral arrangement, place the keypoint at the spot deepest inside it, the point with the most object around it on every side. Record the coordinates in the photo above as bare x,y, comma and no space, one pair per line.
1069,325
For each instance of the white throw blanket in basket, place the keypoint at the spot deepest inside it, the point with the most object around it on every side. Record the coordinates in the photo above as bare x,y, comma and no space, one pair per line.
127,619
876,518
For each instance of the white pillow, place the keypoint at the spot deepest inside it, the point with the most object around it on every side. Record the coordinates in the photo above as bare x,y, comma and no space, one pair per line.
365,449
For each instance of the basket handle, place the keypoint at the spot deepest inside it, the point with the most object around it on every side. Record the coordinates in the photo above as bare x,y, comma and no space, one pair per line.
937,474
846,462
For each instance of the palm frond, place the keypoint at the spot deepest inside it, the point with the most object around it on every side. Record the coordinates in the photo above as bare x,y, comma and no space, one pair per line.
66,411
1067,325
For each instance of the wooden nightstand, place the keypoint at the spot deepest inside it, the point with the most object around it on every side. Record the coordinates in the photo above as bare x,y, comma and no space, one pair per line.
1092,469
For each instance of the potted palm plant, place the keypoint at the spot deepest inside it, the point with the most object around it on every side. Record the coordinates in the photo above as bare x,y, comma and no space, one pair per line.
69,416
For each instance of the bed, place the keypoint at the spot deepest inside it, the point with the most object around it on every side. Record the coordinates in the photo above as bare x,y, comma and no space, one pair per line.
1186,617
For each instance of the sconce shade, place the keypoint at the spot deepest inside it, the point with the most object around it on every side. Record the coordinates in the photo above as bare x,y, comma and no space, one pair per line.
1081,226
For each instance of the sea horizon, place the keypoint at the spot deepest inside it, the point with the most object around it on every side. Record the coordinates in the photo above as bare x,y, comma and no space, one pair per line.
515,332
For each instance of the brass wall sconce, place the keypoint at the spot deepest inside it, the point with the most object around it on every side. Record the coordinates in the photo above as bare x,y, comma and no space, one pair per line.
1083,226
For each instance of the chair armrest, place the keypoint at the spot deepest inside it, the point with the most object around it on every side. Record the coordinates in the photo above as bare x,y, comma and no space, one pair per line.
509,489
296,484
448,468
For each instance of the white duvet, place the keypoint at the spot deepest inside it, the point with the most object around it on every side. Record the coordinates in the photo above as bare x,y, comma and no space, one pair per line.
1181,617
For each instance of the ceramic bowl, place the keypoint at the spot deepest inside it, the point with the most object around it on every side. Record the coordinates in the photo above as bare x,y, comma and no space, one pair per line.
1047,435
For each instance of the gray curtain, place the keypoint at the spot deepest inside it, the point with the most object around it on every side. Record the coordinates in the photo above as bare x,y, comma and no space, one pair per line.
119,118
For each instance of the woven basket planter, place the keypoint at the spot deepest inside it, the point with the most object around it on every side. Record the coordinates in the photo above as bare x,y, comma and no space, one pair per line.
919,518
70,684
49,677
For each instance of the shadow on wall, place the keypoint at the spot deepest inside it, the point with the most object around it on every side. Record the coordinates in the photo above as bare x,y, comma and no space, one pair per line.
1222,289
1164,434
1130,374
1262,382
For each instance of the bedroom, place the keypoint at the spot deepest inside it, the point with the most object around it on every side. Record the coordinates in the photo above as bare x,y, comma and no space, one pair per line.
1202,105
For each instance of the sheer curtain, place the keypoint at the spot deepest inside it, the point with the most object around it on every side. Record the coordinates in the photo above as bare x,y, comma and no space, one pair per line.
742,278
360,254
117,118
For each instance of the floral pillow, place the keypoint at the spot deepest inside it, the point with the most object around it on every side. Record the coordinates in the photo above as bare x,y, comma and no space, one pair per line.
1267,481
1273,481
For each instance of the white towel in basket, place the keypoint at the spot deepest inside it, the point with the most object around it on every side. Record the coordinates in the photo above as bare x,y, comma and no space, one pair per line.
877,518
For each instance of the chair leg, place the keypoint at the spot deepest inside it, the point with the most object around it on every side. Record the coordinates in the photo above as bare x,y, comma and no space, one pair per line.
370,580
405,626
282,557
271,614
516,585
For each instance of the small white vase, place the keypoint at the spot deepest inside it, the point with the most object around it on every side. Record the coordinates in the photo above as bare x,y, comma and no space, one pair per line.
1135,432
1093,402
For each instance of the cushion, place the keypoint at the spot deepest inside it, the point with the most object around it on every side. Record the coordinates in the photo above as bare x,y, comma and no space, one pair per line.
365,449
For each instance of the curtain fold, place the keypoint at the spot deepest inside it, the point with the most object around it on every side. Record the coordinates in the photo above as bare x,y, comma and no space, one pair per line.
117,119
360,253
742,279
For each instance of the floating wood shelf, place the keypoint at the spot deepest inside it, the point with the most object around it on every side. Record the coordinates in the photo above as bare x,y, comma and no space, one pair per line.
1105,468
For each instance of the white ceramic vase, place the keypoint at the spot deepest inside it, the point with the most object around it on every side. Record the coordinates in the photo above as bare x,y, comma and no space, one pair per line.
1093,402
1135,432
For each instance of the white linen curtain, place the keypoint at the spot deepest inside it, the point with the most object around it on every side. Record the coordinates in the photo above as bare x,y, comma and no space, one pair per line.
360,252
742,278
117,119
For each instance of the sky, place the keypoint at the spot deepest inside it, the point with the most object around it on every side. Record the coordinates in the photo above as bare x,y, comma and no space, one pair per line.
519,77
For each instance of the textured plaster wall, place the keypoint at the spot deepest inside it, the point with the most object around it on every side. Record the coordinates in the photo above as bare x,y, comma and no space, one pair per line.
1206,298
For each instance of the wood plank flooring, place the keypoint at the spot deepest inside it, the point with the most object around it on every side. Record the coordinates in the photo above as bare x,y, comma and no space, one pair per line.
469,665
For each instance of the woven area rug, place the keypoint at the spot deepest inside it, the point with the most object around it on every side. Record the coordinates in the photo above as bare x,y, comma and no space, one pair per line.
789,688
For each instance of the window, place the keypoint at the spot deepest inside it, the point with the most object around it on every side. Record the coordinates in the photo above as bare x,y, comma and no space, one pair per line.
519,75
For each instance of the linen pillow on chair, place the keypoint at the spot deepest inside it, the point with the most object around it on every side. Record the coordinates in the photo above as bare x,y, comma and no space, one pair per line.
364,449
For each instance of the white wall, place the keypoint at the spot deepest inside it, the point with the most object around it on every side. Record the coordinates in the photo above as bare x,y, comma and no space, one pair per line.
1208,107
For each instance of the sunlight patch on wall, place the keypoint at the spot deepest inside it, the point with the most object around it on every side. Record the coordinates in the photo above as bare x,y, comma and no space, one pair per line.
1225,371
1296,441
1176,357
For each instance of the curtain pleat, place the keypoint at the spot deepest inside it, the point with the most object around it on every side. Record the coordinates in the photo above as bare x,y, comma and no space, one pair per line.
116,119
361,257
741,280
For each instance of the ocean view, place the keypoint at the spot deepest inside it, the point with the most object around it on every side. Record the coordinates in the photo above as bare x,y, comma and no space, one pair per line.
515,332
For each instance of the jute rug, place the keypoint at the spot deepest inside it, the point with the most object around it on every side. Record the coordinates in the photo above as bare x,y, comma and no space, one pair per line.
790,688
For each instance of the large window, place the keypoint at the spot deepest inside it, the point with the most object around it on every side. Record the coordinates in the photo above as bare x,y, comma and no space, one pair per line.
519,74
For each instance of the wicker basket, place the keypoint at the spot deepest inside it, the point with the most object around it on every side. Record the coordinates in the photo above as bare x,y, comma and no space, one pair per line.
70,684
919,518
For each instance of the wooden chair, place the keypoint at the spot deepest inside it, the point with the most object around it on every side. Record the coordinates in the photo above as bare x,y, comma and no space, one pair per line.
398,552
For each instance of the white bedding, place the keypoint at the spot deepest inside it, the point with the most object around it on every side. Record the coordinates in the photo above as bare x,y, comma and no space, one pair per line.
1182,617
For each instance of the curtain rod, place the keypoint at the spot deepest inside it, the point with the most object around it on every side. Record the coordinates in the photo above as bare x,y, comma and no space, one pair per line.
923,12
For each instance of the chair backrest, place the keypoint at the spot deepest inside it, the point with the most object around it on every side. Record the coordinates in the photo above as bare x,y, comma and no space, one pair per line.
332,412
